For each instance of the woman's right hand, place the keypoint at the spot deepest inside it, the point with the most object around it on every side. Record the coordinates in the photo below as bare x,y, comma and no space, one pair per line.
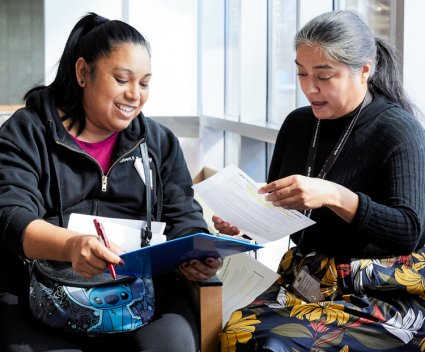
224,227
90,257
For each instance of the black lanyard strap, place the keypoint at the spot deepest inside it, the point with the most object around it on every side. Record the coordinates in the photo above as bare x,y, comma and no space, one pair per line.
333,156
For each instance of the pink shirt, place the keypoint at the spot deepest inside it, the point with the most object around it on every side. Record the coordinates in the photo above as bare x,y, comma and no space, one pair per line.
100,151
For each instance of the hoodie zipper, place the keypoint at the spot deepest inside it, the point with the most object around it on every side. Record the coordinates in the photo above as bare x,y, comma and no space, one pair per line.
104,183
104,177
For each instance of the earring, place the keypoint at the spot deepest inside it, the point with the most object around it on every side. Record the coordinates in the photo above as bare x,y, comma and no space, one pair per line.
82,81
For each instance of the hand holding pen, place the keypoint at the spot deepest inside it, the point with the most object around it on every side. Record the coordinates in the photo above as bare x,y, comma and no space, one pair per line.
101,233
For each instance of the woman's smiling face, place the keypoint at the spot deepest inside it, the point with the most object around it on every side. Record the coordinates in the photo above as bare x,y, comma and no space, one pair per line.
116,88
331,87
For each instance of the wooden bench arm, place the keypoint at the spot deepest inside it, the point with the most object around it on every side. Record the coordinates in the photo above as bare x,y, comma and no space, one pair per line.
207,296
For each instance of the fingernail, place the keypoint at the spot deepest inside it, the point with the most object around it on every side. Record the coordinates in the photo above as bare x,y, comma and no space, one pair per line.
121,263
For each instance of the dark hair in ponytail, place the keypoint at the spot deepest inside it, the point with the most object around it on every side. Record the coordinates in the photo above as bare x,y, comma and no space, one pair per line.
386,79
345,37
92,37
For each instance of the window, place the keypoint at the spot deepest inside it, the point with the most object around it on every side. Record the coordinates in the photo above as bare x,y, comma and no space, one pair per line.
380,15
281,72
170,27
211,57
232,60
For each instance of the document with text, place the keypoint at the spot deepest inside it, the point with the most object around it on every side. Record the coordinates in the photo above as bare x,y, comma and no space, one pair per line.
244,278
233,195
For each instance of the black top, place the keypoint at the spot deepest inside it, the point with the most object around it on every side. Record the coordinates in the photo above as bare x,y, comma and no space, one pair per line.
45,174
383,161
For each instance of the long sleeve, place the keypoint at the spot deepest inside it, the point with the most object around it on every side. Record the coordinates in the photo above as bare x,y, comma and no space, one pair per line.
383,162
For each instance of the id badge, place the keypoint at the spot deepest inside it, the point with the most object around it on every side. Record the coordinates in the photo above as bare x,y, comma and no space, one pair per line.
138,164
307,286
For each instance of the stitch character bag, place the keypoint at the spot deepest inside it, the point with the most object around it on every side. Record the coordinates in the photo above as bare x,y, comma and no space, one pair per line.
61,299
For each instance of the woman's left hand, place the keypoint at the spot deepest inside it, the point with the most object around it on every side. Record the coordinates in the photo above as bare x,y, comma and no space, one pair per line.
299,192
303,193
200,270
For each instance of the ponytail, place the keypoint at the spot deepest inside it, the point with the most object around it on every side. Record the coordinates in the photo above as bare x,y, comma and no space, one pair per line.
386,79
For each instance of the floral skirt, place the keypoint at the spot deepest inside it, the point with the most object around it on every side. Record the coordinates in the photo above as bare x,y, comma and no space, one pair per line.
367,305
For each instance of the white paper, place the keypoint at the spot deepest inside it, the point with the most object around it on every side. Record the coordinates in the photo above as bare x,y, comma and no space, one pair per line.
244,278
233,196
123,232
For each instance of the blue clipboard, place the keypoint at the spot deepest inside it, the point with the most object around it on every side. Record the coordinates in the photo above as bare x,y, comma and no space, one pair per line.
165,257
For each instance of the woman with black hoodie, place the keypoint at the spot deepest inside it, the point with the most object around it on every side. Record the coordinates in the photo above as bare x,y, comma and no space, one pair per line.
72,149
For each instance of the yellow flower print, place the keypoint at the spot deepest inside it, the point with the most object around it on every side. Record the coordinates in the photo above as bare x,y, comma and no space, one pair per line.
421,261
286,261
345,349
292,300
419,256
237,329
364,263
316,311
422,345
324,263
413,281
328,284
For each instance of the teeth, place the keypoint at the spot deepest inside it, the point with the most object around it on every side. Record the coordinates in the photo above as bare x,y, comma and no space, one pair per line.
125,108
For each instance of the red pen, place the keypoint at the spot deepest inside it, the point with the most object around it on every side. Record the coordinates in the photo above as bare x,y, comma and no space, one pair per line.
102,234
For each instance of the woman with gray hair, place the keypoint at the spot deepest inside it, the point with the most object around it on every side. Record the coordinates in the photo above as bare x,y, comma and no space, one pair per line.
353,161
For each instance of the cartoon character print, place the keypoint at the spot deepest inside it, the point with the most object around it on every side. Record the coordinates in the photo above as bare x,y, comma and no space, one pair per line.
114,305
112,302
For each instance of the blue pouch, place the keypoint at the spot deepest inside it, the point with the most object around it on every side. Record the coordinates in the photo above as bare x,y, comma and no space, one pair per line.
61,299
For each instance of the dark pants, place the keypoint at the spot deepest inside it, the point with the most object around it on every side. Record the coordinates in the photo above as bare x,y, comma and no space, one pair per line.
173,328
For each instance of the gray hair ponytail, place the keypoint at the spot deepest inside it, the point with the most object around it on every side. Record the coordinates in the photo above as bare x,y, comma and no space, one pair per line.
344,37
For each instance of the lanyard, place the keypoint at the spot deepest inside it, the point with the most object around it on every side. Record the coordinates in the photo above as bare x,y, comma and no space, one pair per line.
333,156
146,232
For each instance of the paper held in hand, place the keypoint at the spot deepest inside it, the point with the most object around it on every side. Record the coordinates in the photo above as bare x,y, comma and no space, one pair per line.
233,195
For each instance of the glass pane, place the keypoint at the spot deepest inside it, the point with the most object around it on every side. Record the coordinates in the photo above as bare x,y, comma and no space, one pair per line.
232,88
282,78
380,15
211,57
253,63
182,39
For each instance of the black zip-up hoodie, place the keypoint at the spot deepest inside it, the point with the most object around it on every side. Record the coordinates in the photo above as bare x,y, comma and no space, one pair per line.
44,174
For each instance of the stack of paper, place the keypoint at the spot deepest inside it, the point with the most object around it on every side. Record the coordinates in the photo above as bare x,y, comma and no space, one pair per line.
234,196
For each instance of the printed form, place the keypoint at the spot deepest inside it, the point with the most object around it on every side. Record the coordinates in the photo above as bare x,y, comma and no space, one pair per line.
233,195
244,278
